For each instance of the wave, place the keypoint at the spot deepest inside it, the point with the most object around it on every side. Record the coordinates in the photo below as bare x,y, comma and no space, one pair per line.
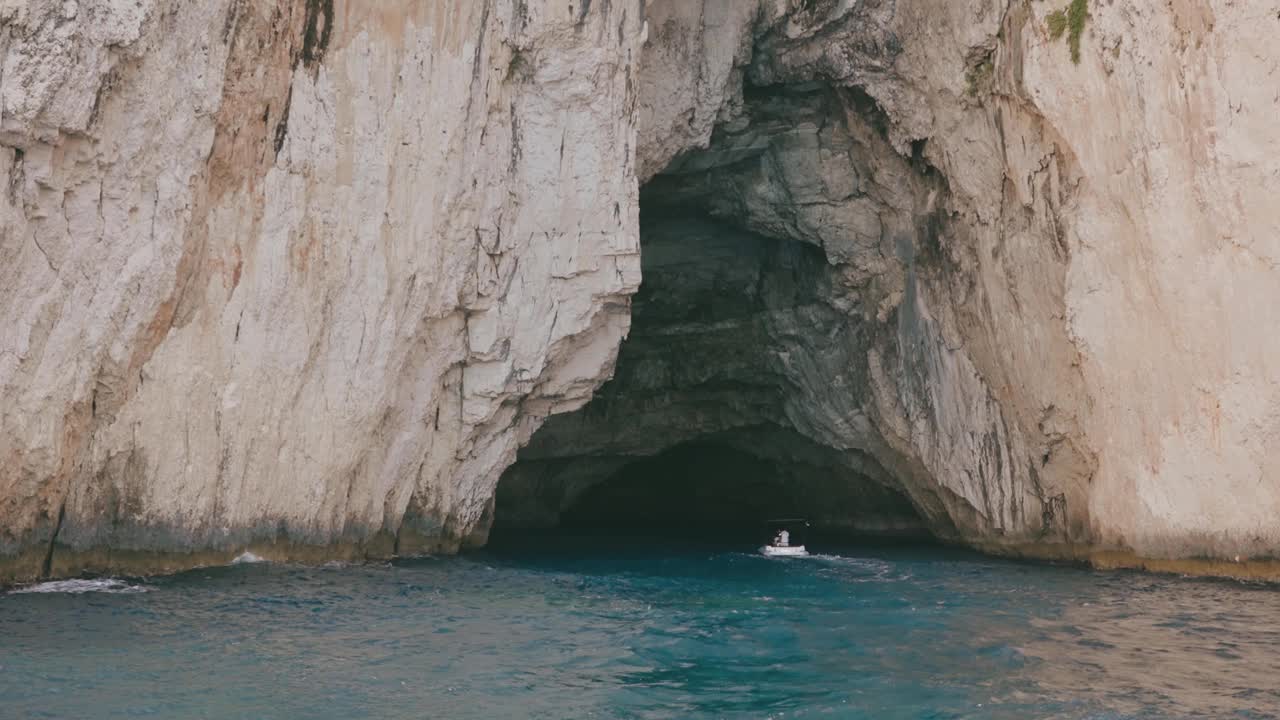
77,587
862,569
247,557
849,560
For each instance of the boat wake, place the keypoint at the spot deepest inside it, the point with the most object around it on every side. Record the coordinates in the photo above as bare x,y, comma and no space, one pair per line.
849,569
857,569
78,587
248,558
845,559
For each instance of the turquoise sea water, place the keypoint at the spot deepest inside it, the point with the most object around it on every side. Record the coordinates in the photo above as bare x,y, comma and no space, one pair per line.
594,627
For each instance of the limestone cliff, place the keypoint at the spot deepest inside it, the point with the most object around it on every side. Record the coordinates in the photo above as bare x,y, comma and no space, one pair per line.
298,274
1046,277
302,275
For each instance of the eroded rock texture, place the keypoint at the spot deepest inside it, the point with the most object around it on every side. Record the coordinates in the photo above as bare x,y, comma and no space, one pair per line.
301,275
1033,269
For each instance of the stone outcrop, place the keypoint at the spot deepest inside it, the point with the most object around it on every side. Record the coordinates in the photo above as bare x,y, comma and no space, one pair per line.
1006,230
298,275
302,275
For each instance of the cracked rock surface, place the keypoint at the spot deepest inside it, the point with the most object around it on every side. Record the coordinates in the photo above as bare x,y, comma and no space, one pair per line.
298,275
1042,278
302,275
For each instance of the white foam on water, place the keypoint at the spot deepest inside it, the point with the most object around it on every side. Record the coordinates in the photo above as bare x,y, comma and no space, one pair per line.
77,587
848,560
869,569
247,557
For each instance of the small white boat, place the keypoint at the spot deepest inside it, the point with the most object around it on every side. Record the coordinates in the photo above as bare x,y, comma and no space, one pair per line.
784,551
780,545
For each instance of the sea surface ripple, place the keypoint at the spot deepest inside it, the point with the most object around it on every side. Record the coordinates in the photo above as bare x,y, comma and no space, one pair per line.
591,627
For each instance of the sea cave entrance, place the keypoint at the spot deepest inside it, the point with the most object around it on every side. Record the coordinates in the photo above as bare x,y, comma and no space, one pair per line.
773,261
705,426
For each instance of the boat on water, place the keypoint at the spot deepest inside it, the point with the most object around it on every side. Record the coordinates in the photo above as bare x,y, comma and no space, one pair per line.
785,542
784,551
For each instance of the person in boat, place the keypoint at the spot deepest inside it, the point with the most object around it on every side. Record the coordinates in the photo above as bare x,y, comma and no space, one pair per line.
782,539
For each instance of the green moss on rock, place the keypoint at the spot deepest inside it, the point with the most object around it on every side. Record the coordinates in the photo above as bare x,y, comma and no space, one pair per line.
1077,13
1057,22
1069,21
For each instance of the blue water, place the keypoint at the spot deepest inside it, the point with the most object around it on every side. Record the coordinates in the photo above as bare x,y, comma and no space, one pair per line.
614,628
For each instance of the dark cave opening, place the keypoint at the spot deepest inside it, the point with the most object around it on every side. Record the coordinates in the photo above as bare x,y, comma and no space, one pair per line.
719,485
700,484
743,391
696,432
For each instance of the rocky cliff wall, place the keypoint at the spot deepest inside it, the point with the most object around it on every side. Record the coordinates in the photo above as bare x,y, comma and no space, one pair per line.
1035,246
1108,253
302,275
298,275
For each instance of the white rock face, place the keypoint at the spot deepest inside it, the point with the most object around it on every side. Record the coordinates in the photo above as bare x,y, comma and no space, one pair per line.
299,272
1171,291
301,275
1114,250
1064,275
1151,165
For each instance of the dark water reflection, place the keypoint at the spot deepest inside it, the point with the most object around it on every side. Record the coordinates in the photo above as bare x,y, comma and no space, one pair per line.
612,628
